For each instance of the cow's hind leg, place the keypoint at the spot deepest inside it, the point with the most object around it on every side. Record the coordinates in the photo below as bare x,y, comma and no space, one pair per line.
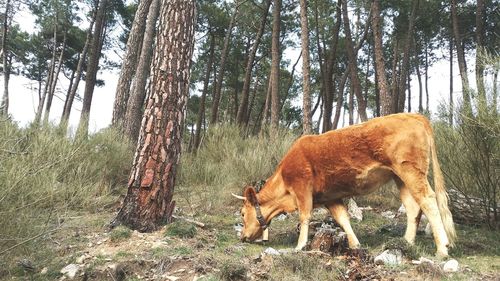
341,216
413,212
420,189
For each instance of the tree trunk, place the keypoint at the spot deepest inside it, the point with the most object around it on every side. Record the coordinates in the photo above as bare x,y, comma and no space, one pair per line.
4,106
394,80
129,64
426,72
480,10
148,203
353,68
452,107
462,66
304,37
225,50
135,103
243,108
409,91
79,71
275,67
53,83
92,67
420,90
201,111
340,100
406,57
267,104
385,95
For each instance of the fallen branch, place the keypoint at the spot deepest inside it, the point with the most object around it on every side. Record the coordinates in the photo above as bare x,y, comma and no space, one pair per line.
28,240
197,223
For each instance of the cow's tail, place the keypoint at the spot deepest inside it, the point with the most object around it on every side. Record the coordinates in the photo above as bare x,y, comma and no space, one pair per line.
441,194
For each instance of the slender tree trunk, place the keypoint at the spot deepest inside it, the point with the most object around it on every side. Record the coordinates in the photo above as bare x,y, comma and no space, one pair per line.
351,104
252,103
406,56
68,105
480,11
225,50
426,79
4,106
420,90
452,107
409,91
385,95
394,81
201,111
92,67
53,83
353,68
304,37
275,67
148,203
243,108
267,104
71,81
289,84
135,103
462,66
129,65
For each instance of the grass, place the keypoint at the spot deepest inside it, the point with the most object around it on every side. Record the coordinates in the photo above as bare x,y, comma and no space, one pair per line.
120,233
181,229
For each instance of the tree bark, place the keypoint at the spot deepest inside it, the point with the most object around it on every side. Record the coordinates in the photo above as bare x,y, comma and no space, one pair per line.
420,90
304,37
4,106
353,68
225,50
426,74
275,67
201,111
385,95
135,103
452,107
129,65
68,105
406,57
462,66
148,203
243,108
92,67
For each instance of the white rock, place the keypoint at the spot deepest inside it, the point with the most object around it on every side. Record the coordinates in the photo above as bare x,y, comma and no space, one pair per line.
82,258
388,214
451,266
171,278
389,257
401,210
281,217
354,211
271,251
70,270
44,270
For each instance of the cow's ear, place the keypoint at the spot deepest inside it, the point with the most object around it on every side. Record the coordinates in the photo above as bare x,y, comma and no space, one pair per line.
251,195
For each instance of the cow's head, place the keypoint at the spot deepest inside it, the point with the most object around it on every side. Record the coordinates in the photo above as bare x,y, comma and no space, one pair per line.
253,221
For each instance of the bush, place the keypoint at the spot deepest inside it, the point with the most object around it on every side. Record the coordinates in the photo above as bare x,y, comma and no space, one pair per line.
45,175
226,162
469,153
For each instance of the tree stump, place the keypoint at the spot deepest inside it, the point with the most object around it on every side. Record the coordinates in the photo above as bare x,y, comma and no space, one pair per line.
330,240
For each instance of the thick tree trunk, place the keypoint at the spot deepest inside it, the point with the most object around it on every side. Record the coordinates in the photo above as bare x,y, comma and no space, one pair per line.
68,105
148,203
275,67
129,65
385,95
243,108
406,57
462,66
304,37
225,50
92,67
135,103
53,83
201,110
353,68
4,106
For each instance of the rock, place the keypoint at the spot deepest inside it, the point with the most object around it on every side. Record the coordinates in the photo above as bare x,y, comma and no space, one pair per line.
271,251
388,214
171,278
70,270
401,210
450,266
329,240
44,270
389,257
281,217
81,259
354,211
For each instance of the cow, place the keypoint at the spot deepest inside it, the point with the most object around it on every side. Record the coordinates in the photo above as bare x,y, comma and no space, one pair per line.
322,170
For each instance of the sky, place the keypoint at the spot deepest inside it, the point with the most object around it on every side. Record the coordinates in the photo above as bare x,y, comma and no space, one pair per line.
24,95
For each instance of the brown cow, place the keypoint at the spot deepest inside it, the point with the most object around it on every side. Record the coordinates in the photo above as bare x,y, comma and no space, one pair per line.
321,170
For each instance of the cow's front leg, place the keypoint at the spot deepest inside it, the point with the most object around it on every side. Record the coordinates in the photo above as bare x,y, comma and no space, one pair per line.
341,216
305,207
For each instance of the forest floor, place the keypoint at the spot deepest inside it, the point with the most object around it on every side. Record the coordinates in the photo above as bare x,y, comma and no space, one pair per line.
184,251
